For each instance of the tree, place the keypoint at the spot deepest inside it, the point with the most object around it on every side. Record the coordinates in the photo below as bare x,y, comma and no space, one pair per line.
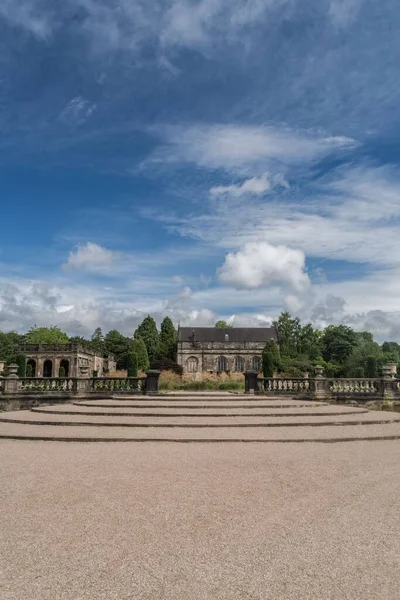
168,340
20,360
132,364
309,341
270,358
338,342
9,344
46,335
221,324
119,346
289,332
371,366
147,330
139,348
97,341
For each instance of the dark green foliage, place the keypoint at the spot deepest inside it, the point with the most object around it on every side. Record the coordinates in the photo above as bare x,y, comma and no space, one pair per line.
97,341
147,330
371,366
165,364
132,364
9,343
221,324
139,348
270,358
20,360
117,344
46,335
29,371
168,340
95,373
61,372
391,347
338,342
289,334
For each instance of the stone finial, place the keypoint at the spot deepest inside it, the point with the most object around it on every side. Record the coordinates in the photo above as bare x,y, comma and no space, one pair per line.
12,370
319,371
387,372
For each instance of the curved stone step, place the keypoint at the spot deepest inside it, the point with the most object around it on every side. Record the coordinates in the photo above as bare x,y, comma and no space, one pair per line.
208,435
43,419
274,403
180,412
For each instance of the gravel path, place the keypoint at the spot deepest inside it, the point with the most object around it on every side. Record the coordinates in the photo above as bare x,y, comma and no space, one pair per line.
199,522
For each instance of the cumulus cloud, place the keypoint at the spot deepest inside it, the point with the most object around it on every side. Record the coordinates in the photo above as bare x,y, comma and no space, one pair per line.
260,264
252,186
90,257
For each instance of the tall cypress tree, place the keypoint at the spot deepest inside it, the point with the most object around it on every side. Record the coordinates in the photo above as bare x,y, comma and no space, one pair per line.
139,348
147,330
168,340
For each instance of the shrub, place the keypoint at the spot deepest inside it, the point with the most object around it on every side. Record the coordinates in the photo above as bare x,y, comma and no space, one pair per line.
166,364
169,381
132,364
29,371
61,372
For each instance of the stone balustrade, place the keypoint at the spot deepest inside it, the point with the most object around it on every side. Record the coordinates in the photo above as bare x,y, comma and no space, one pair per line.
320,387
77,386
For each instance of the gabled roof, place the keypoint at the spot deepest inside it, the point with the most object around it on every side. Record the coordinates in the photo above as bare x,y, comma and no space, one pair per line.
236,334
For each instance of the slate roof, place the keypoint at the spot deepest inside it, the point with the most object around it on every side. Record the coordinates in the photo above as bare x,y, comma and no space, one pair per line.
236,334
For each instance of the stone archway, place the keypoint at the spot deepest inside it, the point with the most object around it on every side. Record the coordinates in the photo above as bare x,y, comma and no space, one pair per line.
64,364
48,368
31,368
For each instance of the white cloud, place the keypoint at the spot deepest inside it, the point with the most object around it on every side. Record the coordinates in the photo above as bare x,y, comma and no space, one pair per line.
90,257
252,186
77,110
238,147
259,264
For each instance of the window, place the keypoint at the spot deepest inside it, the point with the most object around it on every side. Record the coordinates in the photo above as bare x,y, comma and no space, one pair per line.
222,365
192,364
256,363
239,364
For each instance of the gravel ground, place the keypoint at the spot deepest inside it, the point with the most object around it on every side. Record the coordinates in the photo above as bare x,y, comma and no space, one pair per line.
199,522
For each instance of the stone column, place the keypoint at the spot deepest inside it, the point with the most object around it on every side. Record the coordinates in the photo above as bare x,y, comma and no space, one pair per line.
250,382
11,382
320,384
152,381
39,367
388,383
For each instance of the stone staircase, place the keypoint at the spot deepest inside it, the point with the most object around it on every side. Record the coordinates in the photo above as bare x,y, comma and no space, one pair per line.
199,417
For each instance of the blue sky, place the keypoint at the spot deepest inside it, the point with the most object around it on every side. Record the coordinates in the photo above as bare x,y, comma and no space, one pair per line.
201,159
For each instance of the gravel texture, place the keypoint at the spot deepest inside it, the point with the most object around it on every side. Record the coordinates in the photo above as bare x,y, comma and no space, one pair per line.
199,522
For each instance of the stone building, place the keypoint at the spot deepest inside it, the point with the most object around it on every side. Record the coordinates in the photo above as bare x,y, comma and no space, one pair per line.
46,360
213,350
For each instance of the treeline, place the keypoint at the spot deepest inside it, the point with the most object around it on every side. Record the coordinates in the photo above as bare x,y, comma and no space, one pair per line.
147,347
342,351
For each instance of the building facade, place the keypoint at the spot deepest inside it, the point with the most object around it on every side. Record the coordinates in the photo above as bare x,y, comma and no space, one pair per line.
213,350
74,360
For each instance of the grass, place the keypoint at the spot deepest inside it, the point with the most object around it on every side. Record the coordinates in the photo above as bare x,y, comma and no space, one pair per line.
170,381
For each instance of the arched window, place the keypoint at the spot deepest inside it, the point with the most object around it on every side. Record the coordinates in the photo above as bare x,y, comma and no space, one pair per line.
256,363
48,368
31,368
64,368
192,365
222,364
239,364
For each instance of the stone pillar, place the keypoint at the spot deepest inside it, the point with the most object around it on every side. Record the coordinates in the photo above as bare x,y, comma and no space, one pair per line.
320,390
250,382
152,381
39,367
11,382
388,383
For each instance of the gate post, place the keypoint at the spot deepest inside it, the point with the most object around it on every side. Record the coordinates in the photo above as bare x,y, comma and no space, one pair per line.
152,381
320,384
250,382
